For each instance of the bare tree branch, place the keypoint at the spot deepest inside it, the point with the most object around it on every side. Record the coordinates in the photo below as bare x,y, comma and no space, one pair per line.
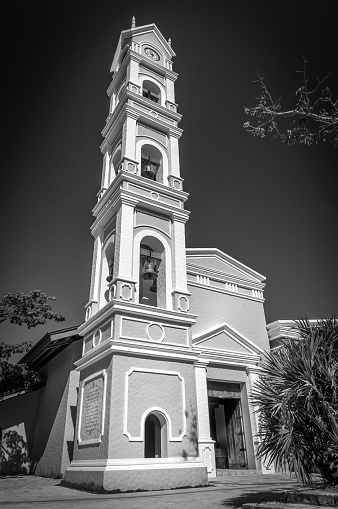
314,118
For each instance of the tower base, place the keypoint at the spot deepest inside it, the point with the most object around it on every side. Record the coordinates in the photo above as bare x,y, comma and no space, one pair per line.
138,474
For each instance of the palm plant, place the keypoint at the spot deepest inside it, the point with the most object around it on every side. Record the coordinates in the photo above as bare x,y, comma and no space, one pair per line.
296,398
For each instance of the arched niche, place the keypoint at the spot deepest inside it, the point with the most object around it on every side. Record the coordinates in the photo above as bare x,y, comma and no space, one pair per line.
155,435
107,267
153,161
152,291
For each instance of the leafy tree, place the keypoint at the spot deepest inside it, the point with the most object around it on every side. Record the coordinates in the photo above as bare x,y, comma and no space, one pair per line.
31,310
297,402
314,117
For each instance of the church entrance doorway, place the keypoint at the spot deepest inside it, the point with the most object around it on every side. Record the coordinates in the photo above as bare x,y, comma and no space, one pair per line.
226,425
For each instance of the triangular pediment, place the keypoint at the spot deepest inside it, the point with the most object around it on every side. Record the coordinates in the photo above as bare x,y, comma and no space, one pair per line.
225,338
149,33
217,262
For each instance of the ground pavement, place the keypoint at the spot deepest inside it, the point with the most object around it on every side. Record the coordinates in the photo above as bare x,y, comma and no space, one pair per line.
20,492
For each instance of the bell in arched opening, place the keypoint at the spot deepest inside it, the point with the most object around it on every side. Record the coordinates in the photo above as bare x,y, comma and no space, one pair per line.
149,270
153,287
152,268
149,168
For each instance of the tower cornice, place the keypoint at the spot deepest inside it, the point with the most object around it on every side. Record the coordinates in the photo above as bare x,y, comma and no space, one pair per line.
125,108
117,194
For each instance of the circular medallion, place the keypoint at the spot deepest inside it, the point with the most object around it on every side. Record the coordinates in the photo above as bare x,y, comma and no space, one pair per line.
155,332
152,54
154,195
97,337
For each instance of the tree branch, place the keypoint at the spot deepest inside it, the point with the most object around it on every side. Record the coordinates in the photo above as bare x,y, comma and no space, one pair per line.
307,113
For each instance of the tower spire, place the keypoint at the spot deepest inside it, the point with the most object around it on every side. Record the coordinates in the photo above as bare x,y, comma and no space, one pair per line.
133,22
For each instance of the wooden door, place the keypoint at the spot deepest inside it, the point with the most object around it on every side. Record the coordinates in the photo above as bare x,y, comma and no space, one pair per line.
235,434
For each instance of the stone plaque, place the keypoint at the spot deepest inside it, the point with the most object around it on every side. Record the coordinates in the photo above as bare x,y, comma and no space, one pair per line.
91,409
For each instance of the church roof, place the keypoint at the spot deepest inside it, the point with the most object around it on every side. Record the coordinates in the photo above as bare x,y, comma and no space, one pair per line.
50,345
214,260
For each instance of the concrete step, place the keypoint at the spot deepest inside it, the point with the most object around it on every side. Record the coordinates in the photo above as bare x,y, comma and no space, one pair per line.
240,472
316,497
282,505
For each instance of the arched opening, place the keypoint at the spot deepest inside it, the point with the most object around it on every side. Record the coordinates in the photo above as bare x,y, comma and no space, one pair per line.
110,259
114,163
151,91
151,163
155,436
152,282
107,269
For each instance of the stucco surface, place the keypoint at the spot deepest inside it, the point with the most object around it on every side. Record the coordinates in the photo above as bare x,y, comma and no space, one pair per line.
244,315
166,398
51,454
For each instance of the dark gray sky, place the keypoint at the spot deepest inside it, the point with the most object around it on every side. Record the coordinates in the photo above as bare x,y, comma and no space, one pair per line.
270,206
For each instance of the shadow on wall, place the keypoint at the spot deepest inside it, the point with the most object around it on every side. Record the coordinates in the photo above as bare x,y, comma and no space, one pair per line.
14,458
193,432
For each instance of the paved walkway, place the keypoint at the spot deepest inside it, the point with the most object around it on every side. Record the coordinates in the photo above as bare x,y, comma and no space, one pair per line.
43,493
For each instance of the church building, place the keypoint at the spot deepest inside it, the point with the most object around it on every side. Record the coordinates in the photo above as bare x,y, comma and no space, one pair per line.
152,390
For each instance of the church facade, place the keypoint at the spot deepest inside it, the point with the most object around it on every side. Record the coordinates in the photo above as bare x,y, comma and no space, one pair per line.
154,386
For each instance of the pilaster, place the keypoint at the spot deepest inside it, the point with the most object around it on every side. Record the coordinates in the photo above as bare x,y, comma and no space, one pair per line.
206,447
92,306
179,271
129,136
263,464
174,157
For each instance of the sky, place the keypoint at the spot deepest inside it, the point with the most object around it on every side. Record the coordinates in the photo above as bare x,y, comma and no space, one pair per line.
272,207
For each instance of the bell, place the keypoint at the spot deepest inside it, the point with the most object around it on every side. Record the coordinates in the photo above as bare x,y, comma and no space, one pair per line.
153,287
149,270
148,171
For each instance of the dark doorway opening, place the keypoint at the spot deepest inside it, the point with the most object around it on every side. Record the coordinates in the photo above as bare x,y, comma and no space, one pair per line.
152,437
226,428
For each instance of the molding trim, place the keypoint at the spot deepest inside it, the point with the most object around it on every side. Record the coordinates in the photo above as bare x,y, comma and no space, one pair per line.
149,323
140,438
137,463
103,411
227,292
108,347
233,333
220,255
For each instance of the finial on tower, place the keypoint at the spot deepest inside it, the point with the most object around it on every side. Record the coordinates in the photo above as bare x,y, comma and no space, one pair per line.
169,41
133,22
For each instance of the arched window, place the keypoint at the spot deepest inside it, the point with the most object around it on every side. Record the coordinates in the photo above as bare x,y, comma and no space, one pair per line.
151,91
151,163
155,436
152,273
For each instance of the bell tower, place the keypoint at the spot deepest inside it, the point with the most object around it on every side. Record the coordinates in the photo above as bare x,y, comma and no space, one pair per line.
137,412
141,201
